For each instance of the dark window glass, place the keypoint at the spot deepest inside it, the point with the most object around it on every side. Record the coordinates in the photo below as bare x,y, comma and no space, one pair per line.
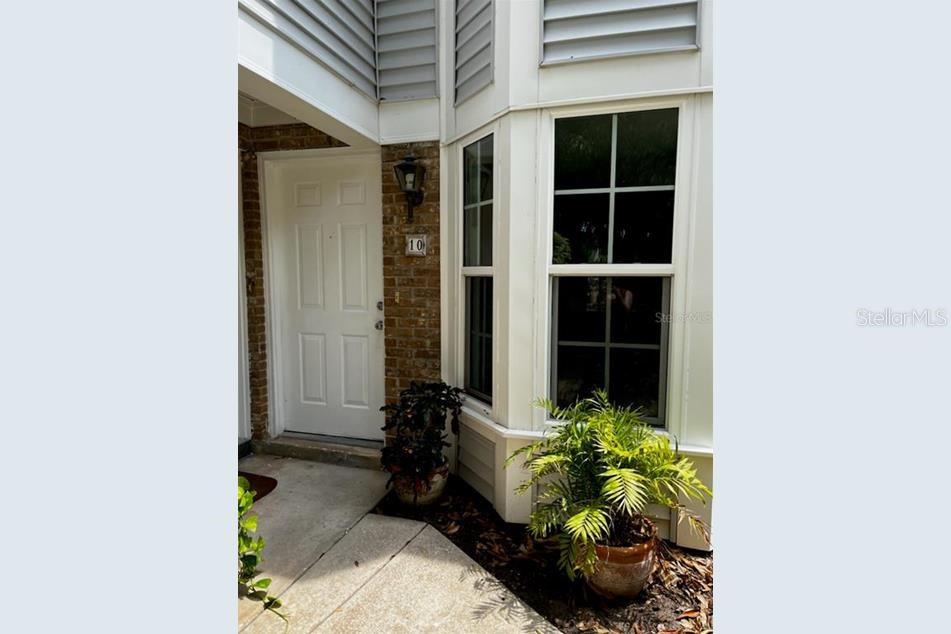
478,236
636,304
580,372
581,308
608,333
478,380
477,208
635,379
583,152
643,227
581,229
470,180
485,168
646,148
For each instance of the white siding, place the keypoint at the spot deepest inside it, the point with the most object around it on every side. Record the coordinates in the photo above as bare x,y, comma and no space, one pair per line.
474,34
477,462
337,33
406,48
586,29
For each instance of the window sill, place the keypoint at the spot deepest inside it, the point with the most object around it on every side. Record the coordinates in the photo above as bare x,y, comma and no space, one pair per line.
694,451
488,427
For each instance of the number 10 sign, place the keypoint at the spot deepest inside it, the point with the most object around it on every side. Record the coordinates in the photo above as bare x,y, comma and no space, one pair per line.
416,245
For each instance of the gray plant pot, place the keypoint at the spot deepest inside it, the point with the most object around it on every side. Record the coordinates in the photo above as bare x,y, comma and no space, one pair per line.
422,496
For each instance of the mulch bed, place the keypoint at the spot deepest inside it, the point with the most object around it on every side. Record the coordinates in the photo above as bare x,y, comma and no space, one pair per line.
261,485
678,599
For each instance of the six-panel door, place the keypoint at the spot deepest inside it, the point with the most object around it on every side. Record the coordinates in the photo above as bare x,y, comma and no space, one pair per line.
326,224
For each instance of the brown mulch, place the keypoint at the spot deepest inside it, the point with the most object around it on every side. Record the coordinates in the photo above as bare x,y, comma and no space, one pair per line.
261,485
679,597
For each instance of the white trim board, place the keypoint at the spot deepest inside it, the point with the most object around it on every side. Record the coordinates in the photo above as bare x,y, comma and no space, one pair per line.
244,378
585,101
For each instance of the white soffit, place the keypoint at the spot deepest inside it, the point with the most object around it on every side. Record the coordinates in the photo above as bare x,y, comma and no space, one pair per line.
255,114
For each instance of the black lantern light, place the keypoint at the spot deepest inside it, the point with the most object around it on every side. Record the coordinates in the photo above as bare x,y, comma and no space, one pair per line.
410,176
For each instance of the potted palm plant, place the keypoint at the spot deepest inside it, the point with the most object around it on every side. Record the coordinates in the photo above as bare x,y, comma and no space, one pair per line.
596,474
416,427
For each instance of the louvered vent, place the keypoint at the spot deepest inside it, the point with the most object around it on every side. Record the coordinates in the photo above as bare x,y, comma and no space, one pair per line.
337,33
406,48
474,35
584,29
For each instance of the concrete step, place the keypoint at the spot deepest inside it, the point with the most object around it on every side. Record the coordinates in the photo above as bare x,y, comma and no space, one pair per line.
358,454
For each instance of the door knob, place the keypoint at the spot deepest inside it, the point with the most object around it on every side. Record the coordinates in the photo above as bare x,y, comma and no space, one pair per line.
379,324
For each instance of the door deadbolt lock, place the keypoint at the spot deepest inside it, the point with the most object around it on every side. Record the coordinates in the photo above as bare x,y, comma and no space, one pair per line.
379,324
379,305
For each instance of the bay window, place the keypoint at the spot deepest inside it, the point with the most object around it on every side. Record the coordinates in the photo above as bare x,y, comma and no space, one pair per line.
612,266
477,266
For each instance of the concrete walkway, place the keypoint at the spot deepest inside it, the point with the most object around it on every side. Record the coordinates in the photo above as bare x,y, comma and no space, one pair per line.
339,569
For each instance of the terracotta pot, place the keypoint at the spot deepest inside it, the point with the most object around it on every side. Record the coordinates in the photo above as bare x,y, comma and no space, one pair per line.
422,496
623,571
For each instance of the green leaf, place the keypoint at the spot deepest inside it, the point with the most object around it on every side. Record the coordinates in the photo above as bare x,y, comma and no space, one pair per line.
545,464
567,555
258,595
625,489
589,524
262,583
545,519
250,523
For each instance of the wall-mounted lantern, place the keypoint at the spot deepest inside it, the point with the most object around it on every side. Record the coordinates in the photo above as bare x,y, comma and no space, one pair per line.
410,174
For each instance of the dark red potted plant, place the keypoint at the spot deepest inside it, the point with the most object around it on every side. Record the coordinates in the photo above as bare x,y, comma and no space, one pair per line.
416,436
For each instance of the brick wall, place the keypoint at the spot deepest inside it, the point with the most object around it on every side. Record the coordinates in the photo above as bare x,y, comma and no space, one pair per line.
269,138
410,283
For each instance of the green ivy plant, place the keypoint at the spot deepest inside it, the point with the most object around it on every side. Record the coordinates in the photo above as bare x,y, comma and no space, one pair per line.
603,465
249,553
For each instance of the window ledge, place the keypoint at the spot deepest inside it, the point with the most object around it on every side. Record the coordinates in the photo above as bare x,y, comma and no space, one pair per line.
695,451
486,426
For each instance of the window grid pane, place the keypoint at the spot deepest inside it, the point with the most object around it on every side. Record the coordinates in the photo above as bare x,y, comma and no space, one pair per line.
477,203
642,156
611,333
478,375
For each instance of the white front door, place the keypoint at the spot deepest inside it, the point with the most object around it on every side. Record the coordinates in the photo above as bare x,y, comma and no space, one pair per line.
325,224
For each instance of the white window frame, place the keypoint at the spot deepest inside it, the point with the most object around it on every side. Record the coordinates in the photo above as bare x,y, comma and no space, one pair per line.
461,272
686,167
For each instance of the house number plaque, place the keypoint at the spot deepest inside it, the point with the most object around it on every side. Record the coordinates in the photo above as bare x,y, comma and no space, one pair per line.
416,245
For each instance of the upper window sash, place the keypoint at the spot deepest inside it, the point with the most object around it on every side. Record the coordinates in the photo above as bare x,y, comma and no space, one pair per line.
477,202
613,189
